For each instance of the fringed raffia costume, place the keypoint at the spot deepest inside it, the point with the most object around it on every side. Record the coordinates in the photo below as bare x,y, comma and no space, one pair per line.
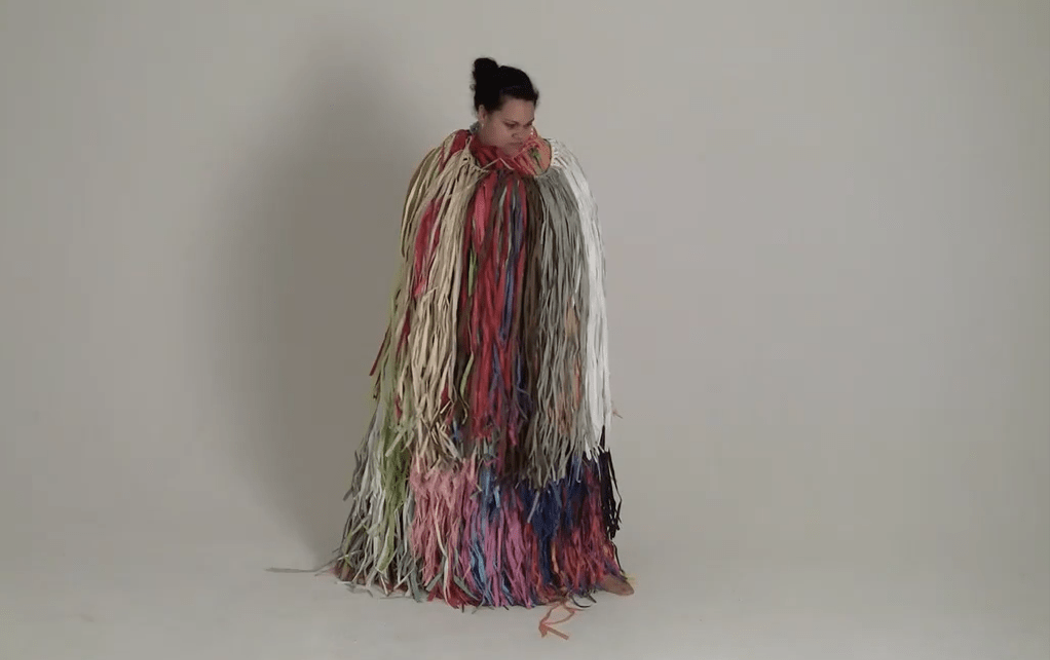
484,479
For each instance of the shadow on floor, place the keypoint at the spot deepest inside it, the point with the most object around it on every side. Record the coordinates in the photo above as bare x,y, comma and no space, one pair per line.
308,268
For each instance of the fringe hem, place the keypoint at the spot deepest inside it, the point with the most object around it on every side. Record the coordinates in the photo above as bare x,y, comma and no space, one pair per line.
475,543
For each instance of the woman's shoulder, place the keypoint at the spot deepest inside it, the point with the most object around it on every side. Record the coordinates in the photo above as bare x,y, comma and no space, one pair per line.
563,157
438,154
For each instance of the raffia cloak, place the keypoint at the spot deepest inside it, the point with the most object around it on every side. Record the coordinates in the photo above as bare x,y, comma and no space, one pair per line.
484,478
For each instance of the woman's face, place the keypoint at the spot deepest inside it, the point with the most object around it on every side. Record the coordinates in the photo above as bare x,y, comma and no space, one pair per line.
508,128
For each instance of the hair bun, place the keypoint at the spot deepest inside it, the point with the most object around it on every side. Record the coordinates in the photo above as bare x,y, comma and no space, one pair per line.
485,68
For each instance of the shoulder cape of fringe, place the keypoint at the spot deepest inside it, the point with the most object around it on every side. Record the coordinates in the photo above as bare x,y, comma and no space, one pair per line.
484,478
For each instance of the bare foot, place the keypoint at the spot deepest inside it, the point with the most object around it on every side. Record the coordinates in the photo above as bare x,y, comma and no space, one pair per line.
617,585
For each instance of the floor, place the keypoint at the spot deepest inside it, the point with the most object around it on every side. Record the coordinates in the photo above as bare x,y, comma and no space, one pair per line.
88,592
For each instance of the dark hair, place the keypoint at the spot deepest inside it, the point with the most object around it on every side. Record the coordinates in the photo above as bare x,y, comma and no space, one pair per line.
494,84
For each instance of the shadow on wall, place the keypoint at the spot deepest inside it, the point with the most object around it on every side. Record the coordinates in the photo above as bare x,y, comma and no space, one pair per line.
308,274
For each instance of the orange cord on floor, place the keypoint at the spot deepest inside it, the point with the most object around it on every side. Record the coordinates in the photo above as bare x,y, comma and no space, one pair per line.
547,626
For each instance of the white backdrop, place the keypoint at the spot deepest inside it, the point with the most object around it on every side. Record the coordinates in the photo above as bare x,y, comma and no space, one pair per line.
828,234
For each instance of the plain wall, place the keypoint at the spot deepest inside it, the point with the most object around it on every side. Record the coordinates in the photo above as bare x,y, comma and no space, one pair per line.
828,236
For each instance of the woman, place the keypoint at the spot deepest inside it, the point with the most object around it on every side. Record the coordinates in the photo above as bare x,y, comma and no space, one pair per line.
484,478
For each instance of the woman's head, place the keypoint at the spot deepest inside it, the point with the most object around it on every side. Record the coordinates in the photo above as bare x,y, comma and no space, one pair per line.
505,101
